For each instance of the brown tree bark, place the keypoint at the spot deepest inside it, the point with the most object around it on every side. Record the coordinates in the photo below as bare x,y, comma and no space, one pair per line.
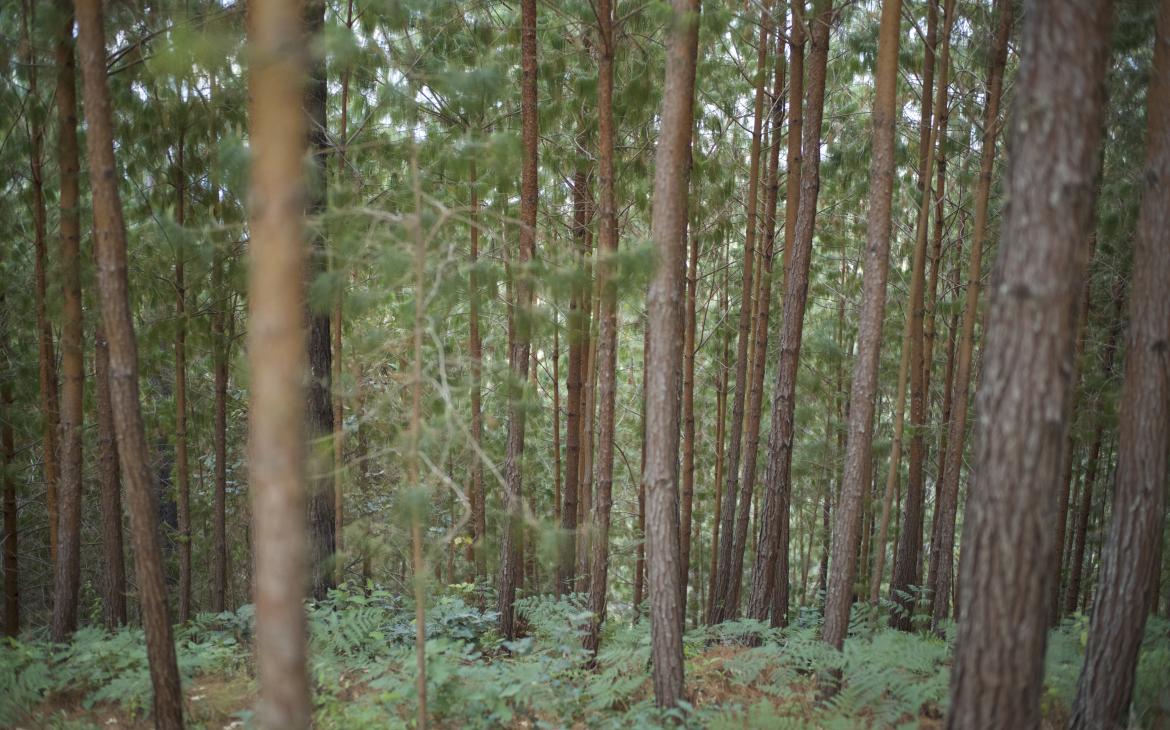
720,430
318,402
510,566
771,573
863,392
580,310
906,573
664,314
640,554
220,351
46,359
762,311
475,352
1024,396
607,342
941,567
722,606
277,355
110,488
1127,583
113,289
67,569
7,457
182,467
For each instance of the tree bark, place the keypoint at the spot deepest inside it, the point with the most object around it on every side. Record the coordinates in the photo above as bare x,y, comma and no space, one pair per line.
664,313
318,402
475,352
906,574
113,289
1024,396
510,566
607,341
110,488
1128,579
762,312
772,555
7,457
182,467
220,350
720,430
941,566
278,358
863,392
722,606
67,569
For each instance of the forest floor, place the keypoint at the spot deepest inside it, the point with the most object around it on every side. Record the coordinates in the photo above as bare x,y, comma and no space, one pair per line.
741,674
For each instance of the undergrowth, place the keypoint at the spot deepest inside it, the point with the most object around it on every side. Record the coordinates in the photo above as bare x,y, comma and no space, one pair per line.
740,674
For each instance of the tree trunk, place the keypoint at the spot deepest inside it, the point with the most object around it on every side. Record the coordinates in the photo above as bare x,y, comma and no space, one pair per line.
113,288
475,353
863,392
1024,396
762,312
607,341
7,457
772,556
182,468
220,350
110,488
686,518
722,600
518,358
640,556
1127,585
664,314
67,569
944,549
585,478
319,404
720,430
578,327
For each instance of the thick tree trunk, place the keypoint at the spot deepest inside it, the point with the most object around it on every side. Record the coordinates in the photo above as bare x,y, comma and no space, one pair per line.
906,574
944,549
773,540
278,358
113,288
510,566
664,313
722,601
67,569
607,342
1127,585
318,401
1024,396
863,392
110,488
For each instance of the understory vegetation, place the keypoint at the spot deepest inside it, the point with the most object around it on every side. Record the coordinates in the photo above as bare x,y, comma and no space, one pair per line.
743,673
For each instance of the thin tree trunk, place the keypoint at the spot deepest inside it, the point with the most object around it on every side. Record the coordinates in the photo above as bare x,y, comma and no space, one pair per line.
607,343
113,288
720,431
7,457
182,467
906,574
722,607
319,395
664,316
518,357
110,488
863,391
67,569
585,480
1024,396
686,517
771,571
640,556
220,350
762,312
942,562
419,510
